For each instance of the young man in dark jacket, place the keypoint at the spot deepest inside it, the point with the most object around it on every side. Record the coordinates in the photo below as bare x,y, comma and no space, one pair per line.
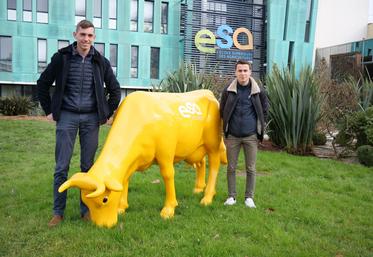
79,103
243,108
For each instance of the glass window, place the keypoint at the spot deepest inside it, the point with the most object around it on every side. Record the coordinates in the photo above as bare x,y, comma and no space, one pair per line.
62,43
114,57
308,21
164,18
154,63
112,14
42,54
79,10
12,10
97,13
148,16
5,53
134,15
100,47
134,61
27,10
42,11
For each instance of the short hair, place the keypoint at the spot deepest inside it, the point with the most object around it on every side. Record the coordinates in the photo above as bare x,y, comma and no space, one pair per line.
84,24
242,62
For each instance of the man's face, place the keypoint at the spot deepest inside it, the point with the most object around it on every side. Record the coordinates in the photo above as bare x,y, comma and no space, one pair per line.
243,73
84,38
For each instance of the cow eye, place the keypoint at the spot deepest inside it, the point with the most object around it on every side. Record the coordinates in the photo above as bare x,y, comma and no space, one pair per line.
105,199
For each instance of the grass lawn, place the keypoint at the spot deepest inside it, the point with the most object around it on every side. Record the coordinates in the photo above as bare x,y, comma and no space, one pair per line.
305,207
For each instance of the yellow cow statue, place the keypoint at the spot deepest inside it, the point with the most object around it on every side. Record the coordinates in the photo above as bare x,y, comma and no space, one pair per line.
161,128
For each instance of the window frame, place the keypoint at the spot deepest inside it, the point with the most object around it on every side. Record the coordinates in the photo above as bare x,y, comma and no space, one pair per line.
78,16
42,14
134,21
134,66
164,25
97,46
151,30
113,64
11,11
8,62
152,62
60,41
26,13
42,64
97,20
113,20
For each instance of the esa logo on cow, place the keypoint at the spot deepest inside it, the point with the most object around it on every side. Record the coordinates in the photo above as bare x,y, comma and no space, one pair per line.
189,109
205,40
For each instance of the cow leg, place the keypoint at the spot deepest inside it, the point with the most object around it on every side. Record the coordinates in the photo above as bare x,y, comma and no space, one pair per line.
168,173
200,176
123,203
214,163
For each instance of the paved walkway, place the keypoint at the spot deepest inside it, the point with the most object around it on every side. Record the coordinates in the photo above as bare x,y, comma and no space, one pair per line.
327,151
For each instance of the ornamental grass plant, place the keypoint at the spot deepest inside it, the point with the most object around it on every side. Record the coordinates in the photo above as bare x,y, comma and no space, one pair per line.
187,78
294,108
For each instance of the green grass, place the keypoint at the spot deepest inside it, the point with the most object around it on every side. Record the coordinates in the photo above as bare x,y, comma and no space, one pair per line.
305,207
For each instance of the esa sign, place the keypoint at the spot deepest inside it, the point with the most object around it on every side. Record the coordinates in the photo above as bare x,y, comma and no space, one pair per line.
207,42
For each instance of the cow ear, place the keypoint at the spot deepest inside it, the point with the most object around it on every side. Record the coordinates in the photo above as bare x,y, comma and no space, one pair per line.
113,184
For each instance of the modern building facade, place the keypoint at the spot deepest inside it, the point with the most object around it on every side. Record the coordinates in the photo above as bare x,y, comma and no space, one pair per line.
335,38
146,39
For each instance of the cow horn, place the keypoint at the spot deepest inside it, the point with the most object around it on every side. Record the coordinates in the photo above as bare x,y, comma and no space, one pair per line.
84,181
113,184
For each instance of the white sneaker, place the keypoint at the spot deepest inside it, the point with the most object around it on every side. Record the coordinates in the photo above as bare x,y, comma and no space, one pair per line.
230,201
249,202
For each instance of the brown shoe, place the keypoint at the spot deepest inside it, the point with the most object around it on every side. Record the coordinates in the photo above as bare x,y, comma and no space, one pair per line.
56,219
86,217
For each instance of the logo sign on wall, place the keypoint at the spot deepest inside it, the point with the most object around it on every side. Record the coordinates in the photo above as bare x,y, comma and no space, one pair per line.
206,42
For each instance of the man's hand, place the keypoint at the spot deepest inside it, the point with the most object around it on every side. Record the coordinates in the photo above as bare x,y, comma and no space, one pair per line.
50,117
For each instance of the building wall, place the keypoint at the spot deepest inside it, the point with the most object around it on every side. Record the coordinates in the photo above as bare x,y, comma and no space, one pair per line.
342,21
62,23
210,15
286,27
286,41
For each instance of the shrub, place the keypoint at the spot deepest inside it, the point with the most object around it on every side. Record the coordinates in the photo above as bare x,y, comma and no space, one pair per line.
294,108
359,126
365,155
318,138
16,105
340,99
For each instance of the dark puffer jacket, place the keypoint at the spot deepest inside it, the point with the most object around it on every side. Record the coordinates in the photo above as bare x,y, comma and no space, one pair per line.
57,71
229,100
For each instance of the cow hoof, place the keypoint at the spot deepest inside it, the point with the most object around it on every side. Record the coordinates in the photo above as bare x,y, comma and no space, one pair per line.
167,212
198,190
121,211
206,200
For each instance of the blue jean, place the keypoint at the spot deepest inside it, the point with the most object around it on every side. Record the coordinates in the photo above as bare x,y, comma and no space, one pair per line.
67,128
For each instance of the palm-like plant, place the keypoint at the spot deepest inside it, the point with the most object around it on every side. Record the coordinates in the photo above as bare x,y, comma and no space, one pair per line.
294,108
184,79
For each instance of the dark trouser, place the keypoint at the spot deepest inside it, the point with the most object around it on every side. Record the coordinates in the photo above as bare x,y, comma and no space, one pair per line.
250,147
66,130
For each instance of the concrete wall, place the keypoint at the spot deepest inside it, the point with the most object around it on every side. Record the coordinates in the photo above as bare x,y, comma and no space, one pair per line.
342,21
